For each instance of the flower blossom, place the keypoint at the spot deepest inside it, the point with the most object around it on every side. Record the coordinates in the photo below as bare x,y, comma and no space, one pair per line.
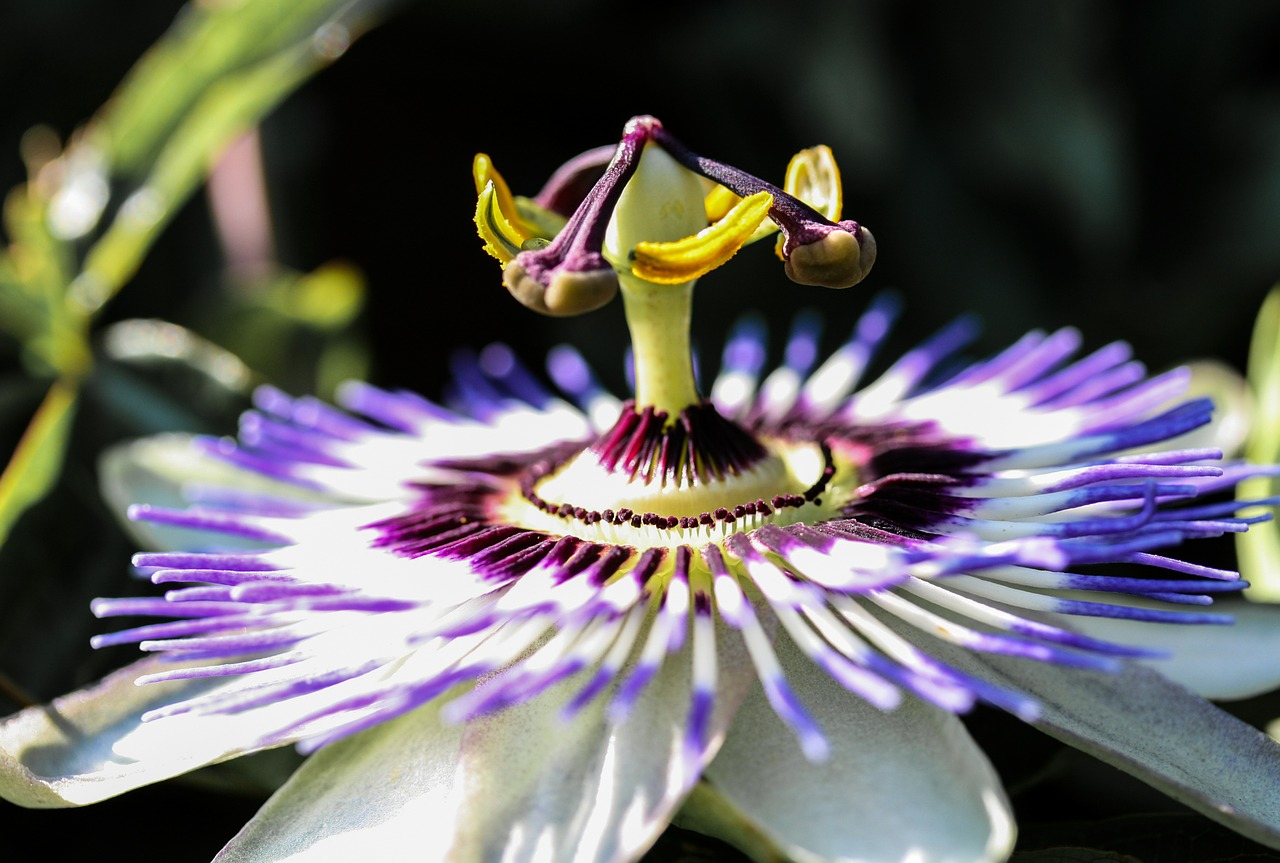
524,625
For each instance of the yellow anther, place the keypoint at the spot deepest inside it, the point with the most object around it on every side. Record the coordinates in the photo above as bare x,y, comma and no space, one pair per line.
719,202
812,176
483,172
686,259
508,224
501,238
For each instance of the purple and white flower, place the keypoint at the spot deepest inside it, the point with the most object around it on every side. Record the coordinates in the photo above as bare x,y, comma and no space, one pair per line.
525,624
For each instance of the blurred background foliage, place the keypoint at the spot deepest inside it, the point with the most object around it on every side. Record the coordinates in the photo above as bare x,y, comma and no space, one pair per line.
280,192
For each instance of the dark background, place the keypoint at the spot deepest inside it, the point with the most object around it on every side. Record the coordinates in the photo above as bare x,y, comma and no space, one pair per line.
1114,166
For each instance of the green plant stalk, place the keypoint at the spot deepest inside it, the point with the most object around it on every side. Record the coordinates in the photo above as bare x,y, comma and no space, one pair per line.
207,43
37,461
226,110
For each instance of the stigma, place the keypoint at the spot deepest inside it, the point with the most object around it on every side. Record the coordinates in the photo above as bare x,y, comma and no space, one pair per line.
654,218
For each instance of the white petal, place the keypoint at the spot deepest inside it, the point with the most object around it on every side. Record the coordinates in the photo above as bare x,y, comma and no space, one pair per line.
157,470
1156,730
63,754
521,784
383,789
1219,662
903,785
93,744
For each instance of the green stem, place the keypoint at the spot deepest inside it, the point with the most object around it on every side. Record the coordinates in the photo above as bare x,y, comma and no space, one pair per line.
662,202
659,319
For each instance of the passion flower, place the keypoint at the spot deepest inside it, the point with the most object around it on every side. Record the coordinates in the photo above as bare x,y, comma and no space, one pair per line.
522,626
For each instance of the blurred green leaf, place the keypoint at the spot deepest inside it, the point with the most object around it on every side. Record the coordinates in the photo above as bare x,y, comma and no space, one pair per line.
148,341
33,278
294,329
341,360
35,464
327,298
222,110
220,68
156,376
207,45
35,264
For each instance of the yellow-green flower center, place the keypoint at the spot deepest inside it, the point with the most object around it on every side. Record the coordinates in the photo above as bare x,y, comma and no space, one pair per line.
580,497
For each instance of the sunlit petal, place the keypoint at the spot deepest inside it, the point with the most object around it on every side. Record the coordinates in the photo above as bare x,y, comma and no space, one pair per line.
527,783
1146,725
1218,662
902,784
92,744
